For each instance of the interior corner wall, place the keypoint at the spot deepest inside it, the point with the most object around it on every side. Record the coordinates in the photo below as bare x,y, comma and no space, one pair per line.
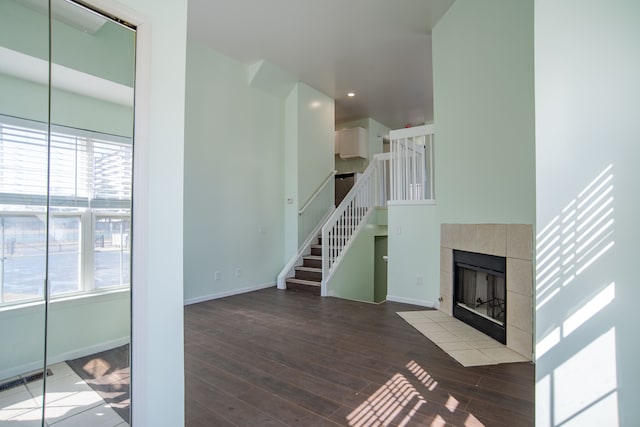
309,135
291,175
587,63
414,255
316,115
234,170
484,112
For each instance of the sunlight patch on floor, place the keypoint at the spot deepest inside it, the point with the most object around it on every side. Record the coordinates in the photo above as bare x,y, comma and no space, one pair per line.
398,401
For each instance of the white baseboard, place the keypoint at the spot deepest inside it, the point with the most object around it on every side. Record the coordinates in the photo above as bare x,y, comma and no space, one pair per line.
404,300
69,355
228,293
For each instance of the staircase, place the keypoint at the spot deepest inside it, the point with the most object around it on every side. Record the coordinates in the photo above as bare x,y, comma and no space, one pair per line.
404,174
312,267
308,276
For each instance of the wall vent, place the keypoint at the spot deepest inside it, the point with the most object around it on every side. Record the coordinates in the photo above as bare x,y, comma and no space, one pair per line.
24,380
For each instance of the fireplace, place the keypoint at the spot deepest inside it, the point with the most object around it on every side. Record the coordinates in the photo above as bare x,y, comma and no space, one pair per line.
514,242
480,293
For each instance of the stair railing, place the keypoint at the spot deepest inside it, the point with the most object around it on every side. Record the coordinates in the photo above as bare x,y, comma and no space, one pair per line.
412,172
317,192
369,191
304,249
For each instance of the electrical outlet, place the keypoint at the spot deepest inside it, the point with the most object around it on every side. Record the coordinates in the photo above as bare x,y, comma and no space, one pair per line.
398,230
419,280
218,275
238,271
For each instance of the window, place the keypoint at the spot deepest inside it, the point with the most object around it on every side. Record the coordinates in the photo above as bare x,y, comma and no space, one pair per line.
111,251
89,210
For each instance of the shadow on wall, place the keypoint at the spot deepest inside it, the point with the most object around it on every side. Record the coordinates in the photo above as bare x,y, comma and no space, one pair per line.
576,333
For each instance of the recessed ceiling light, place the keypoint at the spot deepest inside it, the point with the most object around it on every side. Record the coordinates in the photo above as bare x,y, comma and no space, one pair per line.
351,94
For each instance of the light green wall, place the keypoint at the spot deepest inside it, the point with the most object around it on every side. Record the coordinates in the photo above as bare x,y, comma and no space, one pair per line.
484,112
24,99
316,115
484,143
309,150
354,277
414,254
21,98
22,335
587,63
234,173
67,336
109,53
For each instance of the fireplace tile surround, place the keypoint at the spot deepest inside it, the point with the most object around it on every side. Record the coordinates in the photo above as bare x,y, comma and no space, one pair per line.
513,241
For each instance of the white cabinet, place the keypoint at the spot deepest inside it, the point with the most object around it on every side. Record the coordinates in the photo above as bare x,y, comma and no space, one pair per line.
351,143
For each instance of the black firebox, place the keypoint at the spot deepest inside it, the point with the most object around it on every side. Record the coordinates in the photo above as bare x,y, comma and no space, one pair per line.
480,292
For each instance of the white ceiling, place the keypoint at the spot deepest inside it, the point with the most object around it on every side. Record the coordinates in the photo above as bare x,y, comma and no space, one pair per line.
379,49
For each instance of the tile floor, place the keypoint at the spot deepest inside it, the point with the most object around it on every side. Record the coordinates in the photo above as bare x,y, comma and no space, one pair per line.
70,403
465,344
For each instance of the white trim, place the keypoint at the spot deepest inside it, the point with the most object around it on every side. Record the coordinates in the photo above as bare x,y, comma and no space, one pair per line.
412,132
354,299
427,202
404,300
140,213
228,293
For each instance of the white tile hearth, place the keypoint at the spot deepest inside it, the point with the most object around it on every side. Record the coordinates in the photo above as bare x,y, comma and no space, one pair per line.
462,342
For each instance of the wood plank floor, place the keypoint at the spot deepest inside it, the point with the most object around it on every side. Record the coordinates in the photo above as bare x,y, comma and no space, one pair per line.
278,358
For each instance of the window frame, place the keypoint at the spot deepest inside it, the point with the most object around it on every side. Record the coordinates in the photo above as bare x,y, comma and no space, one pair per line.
82,208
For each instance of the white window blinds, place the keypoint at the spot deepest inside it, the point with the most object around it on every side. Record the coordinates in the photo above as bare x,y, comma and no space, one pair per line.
87,169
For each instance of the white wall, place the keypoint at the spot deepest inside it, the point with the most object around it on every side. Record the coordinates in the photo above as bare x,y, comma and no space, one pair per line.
234,172
587,60
157,341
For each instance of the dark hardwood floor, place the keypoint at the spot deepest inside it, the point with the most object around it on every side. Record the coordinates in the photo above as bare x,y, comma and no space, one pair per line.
277,358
